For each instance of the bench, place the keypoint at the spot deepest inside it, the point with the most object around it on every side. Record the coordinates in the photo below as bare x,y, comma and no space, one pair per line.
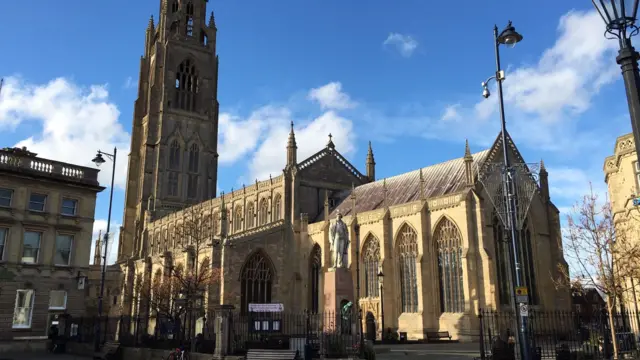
438,335
262,354
109,351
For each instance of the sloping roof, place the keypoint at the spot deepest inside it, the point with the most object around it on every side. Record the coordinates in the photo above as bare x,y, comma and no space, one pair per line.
439,179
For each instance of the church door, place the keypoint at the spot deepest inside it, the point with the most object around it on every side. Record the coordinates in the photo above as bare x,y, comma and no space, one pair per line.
370,326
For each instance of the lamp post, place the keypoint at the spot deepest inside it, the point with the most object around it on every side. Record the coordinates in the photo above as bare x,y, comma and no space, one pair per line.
357,242
99,160
381,280
509,37
620,17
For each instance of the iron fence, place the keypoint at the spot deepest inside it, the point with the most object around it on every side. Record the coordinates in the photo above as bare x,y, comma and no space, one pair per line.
333,335
557,334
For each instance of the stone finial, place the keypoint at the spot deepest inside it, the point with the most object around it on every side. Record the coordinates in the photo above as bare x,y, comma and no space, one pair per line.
151,25
370,164
212,21
330,144
542,167
467,150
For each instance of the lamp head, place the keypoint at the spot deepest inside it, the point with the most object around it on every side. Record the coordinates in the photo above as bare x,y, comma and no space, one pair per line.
485,92
509,36
98,160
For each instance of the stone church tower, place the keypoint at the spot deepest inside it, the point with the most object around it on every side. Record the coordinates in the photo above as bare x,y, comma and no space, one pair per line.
173,161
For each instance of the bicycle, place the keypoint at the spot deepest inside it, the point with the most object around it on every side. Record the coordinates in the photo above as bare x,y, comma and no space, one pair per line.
179,354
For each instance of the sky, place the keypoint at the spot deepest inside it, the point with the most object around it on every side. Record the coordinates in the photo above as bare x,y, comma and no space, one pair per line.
404,75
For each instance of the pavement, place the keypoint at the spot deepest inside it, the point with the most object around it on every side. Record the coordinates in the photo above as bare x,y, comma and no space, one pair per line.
40,356
450,351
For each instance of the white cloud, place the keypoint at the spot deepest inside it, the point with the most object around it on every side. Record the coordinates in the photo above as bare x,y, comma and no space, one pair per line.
130,83
405,44
572,184
100,227
331,96
451,113
75,122
311,137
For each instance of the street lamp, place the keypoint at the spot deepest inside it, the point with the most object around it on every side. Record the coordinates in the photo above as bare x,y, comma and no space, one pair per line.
381,280
509,37
620,19
99,160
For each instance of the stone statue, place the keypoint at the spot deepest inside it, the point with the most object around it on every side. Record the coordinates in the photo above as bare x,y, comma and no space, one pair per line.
339,237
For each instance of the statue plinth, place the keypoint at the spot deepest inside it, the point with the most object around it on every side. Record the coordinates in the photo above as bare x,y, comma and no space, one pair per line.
338,290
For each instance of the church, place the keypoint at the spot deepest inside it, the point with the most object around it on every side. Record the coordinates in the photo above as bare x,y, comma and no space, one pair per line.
431,232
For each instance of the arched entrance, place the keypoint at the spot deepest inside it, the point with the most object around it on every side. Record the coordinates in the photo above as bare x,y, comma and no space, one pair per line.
370,322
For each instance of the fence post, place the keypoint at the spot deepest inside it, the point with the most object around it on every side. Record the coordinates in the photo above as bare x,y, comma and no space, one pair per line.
482,354
223,330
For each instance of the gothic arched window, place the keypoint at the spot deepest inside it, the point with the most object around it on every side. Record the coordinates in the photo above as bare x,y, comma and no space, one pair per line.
174,155
502,241
173,185
315,268
174,6
407,250
189,19
449,248
186,86
215,218
256,281
277,208
371,261
237,219
250,215
194,158
263,213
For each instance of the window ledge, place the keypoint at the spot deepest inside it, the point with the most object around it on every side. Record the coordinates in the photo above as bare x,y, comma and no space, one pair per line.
21,327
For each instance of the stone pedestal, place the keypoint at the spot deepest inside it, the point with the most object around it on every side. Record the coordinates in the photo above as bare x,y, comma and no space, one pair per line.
338,290
223,331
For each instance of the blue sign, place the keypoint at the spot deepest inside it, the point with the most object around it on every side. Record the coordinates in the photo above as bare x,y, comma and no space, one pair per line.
636,202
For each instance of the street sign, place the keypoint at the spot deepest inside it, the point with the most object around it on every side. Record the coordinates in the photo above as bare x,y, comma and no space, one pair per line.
266,308
636,202
524,310
522,299
522,291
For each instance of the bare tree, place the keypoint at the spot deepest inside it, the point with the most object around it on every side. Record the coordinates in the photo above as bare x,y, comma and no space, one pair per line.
602,251
187,274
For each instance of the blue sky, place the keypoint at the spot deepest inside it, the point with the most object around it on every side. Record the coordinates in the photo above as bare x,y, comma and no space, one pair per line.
404,75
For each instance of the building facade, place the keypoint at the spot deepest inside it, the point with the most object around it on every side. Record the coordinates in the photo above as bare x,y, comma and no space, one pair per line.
46,220
431,231
112,284
622,175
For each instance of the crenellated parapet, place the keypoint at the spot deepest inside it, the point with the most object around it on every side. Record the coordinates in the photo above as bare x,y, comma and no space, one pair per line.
625,146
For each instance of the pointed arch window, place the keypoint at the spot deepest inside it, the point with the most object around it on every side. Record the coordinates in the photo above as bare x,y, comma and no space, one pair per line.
174,155
371,261
250,215
215,229
315,268
194,158
407,250
237,219
174,6
502,239
189,19
256,281
277,208
449,248
264,212
186,86
173,186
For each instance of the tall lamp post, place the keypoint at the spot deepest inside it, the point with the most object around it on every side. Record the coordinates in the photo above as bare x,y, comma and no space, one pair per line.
380,280
509,37
99,160
620,19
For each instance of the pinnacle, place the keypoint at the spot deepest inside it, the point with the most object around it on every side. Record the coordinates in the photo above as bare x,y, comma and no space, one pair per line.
467,150
151,23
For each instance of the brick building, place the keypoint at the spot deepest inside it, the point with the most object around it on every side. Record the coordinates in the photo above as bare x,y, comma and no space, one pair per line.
436,218
46,220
